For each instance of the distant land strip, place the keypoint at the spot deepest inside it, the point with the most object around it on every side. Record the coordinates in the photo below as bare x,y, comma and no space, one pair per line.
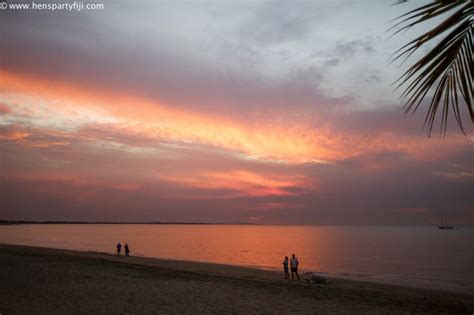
17,222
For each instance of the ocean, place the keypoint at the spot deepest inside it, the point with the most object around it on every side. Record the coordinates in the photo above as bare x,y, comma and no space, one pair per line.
407,255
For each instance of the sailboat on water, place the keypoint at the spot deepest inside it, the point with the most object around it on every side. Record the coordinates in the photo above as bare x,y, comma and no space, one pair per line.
444,226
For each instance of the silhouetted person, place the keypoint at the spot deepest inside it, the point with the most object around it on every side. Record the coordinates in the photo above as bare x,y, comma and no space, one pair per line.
294,267
285,267
127,250
119,248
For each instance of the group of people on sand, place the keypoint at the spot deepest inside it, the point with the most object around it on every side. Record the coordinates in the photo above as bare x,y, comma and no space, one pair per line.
293,267
291,263
119,249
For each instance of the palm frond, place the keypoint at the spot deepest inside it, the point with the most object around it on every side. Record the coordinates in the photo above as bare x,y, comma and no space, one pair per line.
447,68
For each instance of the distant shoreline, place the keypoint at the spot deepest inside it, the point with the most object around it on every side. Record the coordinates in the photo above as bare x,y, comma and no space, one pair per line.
46,280
7,222
24,222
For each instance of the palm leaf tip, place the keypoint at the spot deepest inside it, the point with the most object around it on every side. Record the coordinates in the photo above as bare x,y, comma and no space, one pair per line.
446,71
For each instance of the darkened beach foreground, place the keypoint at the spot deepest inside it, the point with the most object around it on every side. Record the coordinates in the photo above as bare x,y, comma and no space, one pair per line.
40,280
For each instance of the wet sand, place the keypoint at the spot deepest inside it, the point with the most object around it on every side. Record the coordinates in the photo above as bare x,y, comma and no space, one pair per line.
41,280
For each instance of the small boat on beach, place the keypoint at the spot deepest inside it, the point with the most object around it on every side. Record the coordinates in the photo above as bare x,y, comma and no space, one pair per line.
444,226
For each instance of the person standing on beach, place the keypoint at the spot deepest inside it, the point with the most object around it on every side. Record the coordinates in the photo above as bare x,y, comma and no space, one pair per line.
285,267
294,267
127,250
119,248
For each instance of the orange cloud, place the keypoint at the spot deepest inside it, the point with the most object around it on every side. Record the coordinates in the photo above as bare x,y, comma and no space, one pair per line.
245,182
255,184
27,139
17,136
267,141
4,109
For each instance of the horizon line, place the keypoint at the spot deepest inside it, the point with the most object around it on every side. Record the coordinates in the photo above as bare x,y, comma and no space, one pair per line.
19,222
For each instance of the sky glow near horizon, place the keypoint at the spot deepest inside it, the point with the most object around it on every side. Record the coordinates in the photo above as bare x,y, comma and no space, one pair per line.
253,111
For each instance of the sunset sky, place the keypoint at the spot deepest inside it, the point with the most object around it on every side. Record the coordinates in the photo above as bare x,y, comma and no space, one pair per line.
220,111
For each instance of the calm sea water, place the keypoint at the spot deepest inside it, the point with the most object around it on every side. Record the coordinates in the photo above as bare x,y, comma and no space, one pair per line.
419,256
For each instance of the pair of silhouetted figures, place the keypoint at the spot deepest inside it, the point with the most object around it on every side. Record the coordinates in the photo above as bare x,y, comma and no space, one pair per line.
293,266
119,249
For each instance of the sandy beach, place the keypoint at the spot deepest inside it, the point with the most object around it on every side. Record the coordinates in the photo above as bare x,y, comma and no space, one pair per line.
40,280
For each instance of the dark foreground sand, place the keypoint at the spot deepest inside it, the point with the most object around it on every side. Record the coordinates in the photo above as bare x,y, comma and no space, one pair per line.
39,281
